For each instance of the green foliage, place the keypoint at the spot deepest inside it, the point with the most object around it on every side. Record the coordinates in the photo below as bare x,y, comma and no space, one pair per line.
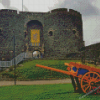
27,70
8,74
43,92
11,68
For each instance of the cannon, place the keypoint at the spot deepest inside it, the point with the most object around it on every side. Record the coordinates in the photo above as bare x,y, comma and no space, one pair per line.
84,78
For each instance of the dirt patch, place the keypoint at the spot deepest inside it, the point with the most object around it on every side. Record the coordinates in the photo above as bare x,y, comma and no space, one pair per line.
38,82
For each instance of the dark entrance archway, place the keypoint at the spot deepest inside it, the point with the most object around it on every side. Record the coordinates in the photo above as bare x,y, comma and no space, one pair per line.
34,38
37,54
35,33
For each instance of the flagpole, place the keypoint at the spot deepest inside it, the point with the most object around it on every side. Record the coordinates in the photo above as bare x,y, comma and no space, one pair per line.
22,5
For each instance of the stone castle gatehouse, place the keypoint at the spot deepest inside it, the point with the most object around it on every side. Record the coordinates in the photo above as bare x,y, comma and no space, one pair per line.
54,34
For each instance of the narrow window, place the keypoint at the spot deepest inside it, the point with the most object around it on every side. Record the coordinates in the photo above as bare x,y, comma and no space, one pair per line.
74,31
50,33
0,32
25,34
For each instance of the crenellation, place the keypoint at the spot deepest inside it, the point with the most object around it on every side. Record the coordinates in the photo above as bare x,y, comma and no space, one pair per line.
74,13
59,10
8,11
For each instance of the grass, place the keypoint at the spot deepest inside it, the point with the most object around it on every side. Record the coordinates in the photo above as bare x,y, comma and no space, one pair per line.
42,92
28,71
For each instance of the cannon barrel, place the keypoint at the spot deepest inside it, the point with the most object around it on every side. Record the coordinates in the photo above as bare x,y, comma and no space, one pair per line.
53,69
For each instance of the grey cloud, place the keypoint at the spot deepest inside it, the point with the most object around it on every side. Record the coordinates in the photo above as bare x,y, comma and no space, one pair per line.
6,3
25,8
85,7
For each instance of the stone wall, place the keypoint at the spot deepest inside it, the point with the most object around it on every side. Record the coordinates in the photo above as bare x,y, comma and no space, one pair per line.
66,28
61,32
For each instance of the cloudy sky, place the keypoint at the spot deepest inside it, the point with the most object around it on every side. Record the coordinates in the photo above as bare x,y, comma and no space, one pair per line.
90,10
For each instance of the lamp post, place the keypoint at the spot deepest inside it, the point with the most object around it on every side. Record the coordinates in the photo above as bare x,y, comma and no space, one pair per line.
14,59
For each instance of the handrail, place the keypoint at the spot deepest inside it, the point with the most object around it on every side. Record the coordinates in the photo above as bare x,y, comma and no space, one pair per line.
18,59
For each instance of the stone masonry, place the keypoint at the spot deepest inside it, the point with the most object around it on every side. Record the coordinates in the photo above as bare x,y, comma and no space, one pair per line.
60,32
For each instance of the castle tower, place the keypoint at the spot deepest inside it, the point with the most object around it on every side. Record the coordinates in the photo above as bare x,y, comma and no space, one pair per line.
54,34
63,33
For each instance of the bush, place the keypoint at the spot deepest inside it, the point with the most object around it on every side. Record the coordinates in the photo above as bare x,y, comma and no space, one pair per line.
8,74
29,72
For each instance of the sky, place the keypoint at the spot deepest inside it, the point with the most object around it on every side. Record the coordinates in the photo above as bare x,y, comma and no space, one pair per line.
90,10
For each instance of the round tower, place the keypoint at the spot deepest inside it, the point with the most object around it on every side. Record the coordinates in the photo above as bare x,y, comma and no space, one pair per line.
62,33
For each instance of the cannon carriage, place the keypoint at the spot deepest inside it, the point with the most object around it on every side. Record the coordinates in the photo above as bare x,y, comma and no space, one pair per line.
84,78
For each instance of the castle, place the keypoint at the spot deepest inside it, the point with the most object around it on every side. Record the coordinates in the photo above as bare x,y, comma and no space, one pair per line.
56,33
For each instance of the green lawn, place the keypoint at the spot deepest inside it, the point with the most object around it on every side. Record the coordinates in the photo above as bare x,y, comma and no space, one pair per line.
42,92
28,71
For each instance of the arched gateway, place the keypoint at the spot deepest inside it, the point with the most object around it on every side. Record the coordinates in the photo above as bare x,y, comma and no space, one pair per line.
34,38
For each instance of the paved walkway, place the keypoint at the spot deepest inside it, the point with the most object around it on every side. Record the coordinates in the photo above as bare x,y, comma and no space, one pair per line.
38,82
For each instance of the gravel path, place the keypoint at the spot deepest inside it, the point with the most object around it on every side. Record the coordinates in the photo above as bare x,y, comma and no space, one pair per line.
38,82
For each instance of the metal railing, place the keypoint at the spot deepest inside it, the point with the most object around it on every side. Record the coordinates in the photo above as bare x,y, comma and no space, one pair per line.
18,59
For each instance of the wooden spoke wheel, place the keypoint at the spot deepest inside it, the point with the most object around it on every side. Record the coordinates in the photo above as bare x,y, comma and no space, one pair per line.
90,81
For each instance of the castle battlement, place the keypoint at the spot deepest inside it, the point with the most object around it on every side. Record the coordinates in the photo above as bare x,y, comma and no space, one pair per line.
65,11
8,11
75,13
58,10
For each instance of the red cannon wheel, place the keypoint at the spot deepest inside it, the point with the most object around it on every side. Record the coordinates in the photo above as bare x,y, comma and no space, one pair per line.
90,81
